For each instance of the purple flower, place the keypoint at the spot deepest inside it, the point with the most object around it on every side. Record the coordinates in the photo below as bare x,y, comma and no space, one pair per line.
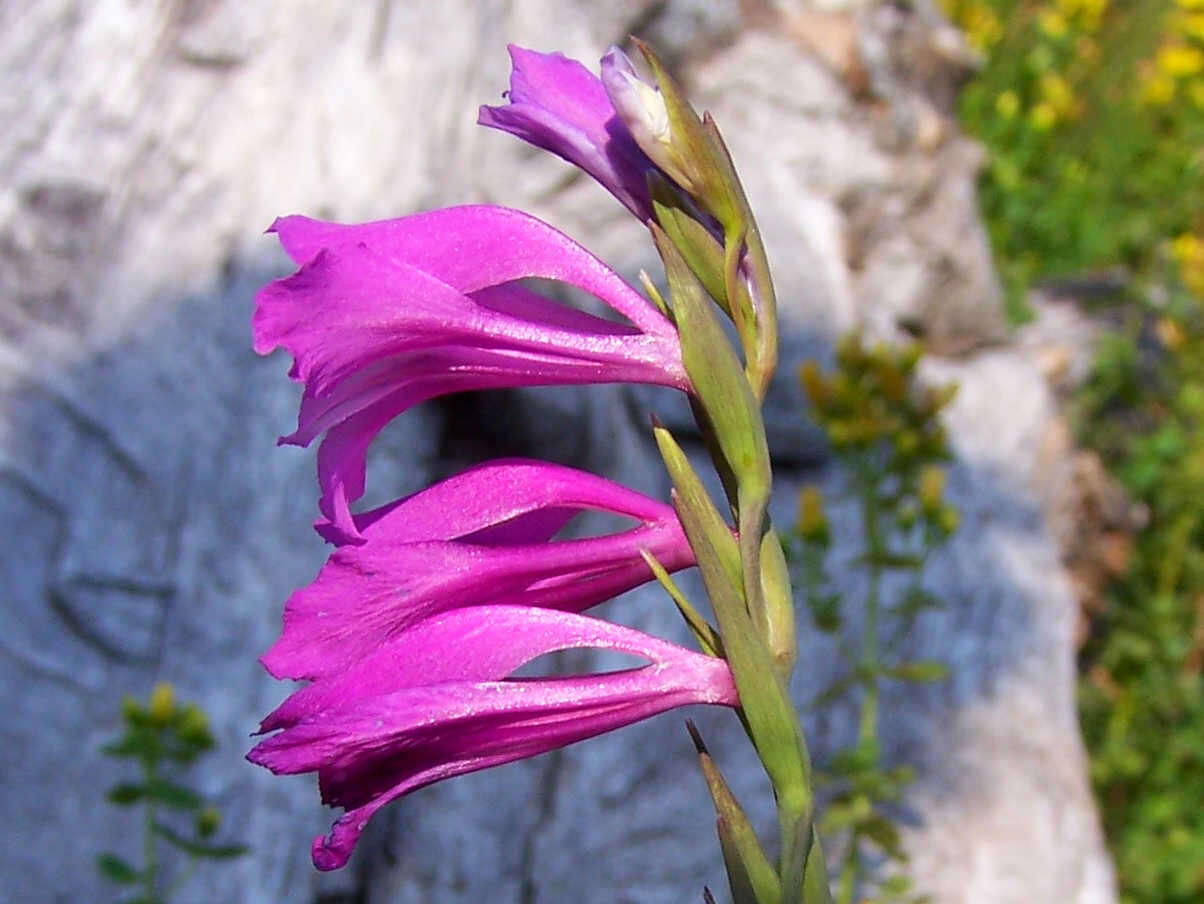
384,315
437,701
481,537
559,105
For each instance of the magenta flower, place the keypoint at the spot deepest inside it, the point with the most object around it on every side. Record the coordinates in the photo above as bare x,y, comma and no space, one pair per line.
481,537
559,105
437,701
382,316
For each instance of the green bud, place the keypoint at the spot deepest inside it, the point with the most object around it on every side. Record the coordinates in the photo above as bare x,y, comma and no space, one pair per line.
814,384
131,709
781,636
931,488
849,352
948,519
892,380
162,703
193,726
812,523
719,381
207,822
907,443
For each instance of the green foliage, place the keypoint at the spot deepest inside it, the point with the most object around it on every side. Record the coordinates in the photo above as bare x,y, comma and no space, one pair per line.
1093,116
1142,697
159,735
886,432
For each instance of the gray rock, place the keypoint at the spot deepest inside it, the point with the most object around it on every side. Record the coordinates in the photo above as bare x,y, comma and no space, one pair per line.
153,531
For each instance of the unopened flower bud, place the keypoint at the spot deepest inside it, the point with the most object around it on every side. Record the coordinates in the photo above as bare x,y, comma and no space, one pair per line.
948,519
932,488
642,108
194,727
207,821
813,384
131,709
812,520
906,443
162,703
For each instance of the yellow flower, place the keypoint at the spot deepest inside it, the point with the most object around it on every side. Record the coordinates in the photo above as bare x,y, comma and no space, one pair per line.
1043,116
982,27
1196,92
1188,248
1053,24
1179,60
1169,333
1190,4
1158,91
1007,104
1192,26
1056,92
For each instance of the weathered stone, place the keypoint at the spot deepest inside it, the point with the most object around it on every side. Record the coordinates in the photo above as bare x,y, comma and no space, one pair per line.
154,531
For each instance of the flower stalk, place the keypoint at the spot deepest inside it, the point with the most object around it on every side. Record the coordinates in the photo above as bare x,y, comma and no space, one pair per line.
411,633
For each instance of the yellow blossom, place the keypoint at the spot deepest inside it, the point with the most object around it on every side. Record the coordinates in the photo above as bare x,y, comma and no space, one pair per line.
982,27
1056,92
1180,61
1158,91
1192,26
1007,104
1043,116
1196,92
1053,24
1190,4
1169,333
1188,248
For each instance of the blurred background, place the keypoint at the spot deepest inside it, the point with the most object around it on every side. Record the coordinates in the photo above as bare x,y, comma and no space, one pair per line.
1016,185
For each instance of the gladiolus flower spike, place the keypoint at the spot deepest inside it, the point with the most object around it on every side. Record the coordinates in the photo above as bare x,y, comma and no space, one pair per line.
412,635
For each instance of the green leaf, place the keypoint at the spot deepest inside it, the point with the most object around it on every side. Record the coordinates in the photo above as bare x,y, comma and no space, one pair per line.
172,795
196,848
707,636
136,743
125,794
750,874
115,869
920,672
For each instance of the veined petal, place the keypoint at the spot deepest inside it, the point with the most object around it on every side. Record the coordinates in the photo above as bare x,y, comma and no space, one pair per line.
434,703
373,334
557,104
506,501
473,247
368,593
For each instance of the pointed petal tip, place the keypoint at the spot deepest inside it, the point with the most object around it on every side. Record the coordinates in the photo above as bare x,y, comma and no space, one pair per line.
331,852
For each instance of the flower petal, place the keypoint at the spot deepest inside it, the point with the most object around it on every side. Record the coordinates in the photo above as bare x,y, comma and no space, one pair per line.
559,105
473,247
418,711
372,335
368,593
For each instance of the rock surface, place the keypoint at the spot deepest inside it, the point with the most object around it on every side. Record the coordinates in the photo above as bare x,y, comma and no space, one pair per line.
154,531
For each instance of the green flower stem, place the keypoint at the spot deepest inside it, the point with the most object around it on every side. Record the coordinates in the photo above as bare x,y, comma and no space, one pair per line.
150,862
868,490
